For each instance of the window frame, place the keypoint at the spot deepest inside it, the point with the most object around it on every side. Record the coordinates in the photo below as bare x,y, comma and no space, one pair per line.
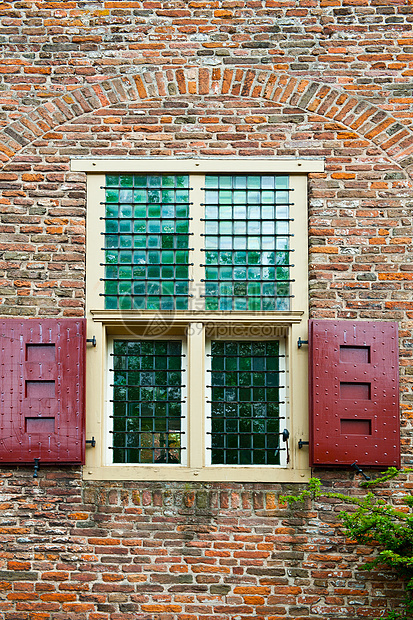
107,324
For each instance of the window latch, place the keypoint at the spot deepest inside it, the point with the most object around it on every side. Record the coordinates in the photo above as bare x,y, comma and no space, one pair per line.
285,436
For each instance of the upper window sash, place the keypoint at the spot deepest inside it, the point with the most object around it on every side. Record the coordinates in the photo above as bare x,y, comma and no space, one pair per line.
196,273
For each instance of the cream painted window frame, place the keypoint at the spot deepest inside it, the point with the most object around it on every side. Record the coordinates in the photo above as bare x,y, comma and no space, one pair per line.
106,324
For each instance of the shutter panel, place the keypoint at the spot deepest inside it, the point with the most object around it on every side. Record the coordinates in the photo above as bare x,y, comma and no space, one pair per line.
42,390
354,393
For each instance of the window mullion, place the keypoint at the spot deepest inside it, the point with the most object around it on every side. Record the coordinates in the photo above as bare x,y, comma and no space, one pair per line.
196,391
196,227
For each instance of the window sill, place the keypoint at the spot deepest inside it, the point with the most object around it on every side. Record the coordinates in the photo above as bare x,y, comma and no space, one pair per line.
183,317
207,474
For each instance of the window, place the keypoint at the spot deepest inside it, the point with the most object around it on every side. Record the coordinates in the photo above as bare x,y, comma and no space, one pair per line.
197,304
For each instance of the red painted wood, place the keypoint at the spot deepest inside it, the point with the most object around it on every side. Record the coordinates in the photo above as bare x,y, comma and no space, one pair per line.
354,393
42,367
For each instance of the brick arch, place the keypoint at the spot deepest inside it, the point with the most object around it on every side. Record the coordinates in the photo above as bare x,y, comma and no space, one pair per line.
359,115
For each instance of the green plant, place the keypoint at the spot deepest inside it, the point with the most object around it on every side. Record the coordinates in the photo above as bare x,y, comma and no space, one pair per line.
374,520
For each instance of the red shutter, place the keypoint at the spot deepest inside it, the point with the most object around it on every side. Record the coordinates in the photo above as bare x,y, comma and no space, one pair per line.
354,393
42,390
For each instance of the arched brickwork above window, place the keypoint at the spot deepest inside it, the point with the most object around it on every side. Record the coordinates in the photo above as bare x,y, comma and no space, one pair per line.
360,116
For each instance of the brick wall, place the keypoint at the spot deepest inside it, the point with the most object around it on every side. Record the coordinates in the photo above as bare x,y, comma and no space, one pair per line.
262,78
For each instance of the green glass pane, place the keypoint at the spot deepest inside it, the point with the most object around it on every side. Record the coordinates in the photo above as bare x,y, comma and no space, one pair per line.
126,180
125,241
111,271
211,181
268,182
154,210
112,195
180,257
182,181
125,210
154,180
168,181
111,210
168,196
240,182
112,180
125,272
125,256
140,196
181,288
253,182
167,241
153,271
125,302
125,226
182,211
111,288
125,195
181,196
181,272
139,180
167,226
111,226
154,258
282,182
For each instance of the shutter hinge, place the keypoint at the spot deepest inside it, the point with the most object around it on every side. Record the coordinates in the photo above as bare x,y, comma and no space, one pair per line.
302,443
360,471
92,341
301,342
92,442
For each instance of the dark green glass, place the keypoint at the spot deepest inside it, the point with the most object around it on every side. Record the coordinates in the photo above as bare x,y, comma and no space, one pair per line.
147,402
245,402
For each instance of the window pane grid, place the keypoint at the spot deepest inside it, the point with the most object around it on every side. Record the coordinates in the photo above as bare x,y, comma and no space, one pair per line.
247,247
245,403
146,242
147,401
